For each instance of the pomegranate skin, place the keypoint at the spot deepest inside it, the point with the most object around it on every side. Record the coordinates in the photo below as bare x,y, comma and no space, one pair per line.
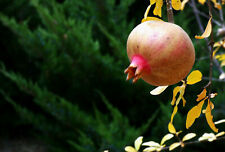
160,53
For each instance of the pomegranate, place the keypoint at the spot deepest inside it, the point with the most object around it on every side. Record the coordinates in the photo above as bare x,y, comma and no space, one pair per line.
160,53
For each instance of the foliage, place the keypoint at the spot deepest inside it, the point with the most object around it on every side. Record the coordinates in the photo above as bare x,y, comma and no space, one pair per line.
54,66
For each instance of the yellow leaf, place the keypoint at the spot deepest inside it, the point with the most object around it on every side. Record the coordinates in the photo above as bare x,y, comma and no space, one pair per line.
217,44
211,105
222,63
152,2
220,57
165,138
158,90
182,90
171,128
188,136
202,1
216,50
174,145
220,134
216,5
193,114
138,142
173,114
202,95
176,4
146,12
184,101
194,77
130,149
151,19
207,32
175,91
158,8
183,3
209,117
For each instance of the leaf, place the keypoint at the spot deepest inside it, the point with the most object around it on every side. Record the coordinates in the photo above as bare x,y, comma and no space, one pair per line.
188,136
220,134
207,31
212,95
152,2
151,144
174,145
183,3
202,95
216,5
138,142
176,4
158,90
193,114
217,44
130,149
184,101
194,77
220,121
202,1
207,136
150,149
220,57
222,63
209,117
165,138
158,8
171,128
151,19
182,90
211,105
175,91
173,114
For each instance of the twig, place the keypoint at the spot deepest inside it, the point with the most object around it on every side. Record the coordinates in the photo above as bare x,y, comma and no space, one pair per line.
193,142
197,16
204,15
199,22
169,11
211,43
221,14
214,79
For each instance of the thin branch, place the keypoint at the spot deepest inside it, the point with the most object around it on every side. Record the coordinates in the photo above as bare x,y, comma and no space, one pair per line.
214,79
169,11
199,22
211,43
204,15
193,142
197,16
221,14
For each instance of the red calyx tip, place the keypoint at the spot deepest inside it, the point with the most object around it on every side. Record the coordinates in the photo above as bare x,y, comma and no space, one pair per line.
133,72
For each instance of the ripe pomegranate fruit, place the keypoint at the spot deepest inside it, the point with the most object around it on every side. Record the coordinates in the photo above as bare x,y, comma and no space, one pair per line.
160,53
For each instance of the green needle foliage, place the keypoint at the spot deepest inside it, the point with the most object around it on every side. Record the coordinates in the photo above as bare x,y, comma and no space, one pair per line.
62,75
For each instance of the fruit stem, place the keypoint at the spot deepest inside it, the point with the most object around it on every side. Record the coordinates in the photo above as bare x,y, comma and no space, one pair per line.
169,11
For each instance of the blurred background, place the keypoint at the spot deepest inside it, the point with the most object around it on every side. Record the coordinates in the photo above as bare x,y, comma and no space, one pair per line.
62,86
